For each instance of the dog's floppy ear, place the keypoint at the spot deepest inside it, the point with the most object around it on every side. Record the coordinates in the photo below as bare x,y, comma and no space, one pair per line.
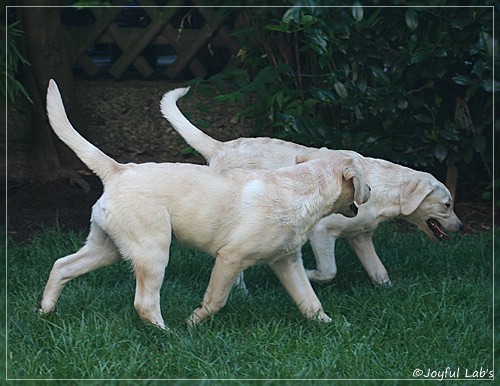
352,170
413,192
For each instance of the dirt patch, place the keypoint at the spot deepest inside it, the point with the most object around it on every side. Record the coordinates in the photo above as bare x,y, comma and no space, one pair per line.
123,119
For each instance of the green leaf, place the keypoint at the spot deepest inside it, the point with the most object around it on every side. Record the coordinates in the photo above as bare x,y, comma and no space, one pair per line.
440,52
309,103
342,29
469,93
420,55
319,42
487,85
440,152
361,84
402,104
478,68
357,12
462,80
380,76
340,89
292,15
460,22
323,95
308,19
280,27
423,118
449,134
411,19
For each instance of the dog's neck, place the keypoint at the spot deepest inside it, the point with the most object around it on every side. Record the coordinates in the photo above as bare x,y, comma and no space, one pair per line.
316,192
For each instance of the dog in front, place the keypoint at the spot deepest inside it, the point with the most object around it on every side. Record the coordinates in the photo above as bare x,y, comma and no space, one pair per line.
397,192
242,217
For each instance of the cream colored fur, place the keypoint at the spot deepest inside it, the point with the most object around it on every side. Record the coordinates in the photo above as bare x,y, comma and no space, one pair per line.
397,191
242,217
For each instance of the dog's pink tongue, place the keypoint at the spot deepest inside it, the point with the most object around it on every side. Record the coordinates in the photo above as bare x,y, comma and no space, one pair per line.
440,233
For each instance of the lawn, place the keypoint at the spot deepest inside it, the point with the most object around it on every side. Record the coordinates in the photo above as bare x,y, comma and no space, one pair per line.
437,315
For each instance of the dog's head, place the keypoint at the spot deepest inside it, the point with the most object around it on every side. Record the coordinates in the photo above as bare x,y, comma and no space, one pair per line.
349,178
427,203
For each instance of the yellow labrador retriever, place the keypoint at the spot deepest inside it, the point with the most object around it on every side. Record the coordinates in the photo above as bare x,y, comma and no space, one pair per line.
242,217
397,192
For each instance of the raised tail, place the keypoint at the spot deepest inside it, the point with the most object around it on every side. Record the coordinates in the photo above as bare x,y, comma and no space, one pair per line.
200,141
95,159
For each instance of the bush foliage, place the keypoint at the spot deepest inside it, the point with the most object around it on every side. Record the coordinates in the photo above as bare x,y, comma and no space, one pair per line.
413,85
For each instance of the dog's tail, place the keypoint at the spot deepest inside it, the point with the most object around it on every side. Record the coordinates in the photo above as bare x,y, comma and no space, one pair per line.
95,159
201,142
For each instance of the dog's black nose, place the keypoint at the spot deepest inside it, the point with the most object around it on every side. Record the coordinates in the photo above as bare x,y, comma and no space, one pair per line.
354,208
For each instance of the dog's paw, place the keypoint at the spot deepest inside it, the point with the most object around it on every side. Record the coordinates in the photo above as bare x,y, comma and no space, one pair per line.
324,318
381,281
194,319
38,310
160,326
44,307
319,316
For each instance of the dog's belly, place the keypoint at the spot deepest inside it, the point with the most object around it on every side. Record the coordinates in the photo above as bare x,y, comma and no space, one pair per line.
250,245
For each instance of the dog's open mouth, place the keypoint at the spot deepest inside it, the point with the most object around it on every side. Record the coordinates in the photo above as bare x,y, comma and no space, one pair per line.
435,227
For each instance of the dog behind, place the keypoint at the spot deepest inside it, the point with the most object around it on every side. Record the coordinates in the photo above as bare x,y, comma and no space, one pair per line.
397,192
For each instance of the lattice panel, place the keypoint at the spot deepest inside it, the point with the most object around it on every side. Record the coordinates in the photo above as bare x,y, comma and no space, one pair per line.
170,28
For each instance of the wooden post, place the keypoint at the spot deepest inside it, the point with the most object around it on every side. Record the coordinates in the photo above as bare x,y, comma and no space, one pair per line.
451,182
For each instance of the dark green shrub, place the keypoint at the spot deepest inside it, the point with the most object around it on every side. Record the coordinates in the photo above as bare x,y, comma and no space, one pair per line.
413,85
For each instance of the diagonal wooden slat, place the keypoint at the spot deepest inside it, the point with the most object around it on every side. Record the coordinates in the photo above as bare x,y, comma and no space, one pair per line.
206,33
124,44
84,61
195,65
133,40
104,17
158,21
82,41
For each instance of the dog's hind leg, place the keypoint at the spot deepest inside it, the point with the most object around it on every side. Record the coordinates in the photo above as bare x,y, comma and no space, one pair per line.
149,268
292,275
98,251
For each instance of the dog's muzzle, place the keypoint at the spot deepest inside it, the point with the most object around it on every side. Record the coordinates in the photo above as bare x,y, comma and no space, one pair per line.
435,227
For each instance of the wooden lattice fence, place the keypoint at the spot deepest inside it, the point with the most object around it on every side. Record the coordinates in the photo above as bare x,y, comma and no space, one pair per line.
194,37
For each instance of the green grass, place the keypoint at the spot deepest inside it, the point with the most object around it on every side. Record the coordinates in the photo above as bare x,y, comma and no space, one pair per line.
437,314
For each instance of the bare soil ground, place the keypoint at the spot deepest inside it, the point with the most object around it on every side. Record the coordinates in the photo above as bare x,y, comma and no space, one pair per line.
124,120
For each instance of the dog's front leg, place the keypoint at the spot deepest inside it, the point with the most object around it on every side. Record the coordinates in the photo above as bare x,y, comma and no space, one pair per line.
292,275
222,279
362,245
323,245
